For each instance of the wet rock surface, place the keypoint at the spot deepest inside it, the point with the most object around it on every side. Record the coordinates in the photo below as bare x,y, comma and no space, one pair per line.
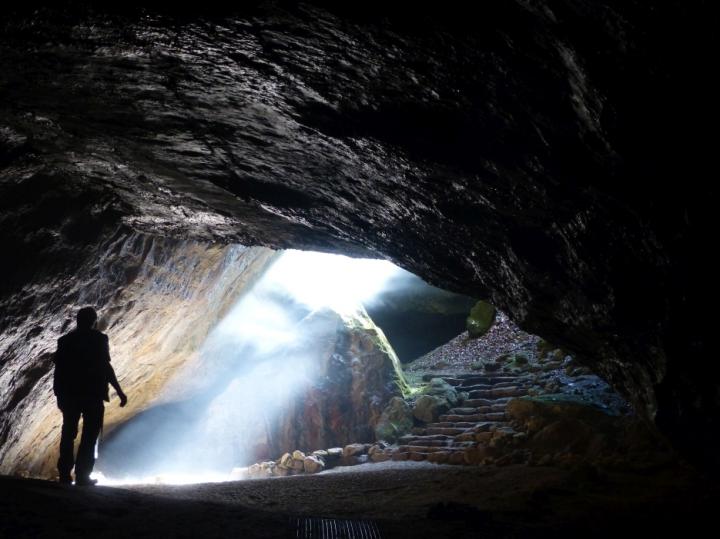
547,155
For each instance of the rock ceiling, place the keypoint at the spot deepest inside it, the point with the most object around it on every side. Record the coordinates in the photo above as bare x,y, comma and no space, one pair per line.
545,155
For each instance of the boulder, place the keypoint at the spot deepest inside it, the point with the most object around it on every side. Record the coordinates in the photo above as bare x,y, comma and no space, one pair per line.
563,425
440,388
429,407
395,420
481,319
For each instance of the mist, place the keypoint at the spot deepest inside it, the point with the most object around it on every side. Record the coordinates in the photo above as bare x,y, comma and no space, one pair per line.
214,413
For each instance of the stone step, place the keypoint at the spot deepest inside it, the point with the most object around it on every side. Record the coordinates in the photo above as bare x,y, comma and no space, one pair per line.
518,383
512,391
430,443
476,403
485,426
445,430
461,410
490,416
469,410
465,444
487,378
451,424
428,449
436,437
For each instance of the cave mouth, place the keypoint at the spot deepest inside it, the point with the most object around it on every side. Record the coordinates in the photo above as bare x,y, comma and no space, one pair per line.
273,350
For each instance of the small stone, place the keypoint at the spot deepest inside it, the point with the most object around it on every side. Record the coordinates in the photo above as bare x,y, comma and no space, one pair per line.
376,448
268,465
298,455
352,450
313,464
286,461
335,452
254,470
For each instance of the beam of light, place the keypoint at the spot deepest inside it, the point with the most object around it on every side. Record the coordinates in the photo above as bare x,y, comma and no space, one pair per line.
260,356
333,281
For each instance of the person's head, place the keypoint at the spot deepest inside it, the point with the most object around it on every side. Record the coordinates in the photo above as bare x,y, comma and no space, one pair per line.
86,318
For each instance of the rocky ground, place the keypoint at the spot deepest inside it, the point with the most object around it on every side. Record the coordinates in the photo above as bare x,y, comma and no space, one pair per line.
405,499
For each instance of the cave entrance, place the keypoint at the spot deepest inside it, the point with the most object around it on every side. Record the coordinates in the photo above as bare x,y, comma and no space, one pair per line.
305,354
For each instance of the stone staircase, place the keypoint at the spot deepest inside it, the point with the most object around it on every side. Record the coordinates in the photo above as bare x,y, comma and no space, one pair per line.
463,434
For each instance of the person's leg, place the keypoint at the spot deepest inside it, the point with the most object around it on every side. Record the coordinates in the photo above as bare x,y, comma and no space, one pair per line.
66,461
92,425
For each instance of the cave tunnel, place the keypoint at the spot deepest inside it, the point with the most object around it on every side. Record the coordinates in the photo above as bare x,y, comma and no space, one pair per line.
533,359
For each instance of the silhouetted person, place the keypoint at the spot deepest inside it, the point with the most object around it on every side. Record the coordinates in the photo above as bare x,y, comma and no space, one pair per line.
82,375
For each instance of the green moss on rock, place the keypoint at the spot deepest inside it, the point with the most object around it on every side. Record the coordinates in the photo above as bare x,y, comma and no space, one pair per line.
481,319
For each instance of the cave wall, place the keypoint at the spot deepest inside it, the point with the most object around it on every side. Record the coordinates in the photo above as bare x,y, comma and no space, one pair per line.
548,155
157,298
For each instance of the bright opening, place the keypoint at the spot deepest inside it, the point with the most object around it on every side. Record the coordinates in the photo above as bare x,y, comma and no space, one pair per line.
261,354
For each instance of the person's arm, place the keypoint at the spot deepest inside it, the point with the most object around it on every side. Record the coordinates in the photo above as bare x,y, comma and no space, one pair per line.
111,378
113,382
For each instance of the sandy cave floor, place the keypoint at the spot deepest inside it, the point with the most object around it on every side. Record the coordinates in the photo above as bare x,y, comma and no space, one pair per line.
406,499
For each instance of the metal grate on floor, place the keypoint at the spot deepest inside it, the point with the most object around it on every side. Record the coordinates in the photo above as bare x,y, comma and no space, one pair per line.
333,528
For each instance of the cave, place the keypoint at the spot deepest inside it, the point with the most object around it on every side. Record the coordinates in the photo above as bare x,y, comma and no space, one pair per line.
531,178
